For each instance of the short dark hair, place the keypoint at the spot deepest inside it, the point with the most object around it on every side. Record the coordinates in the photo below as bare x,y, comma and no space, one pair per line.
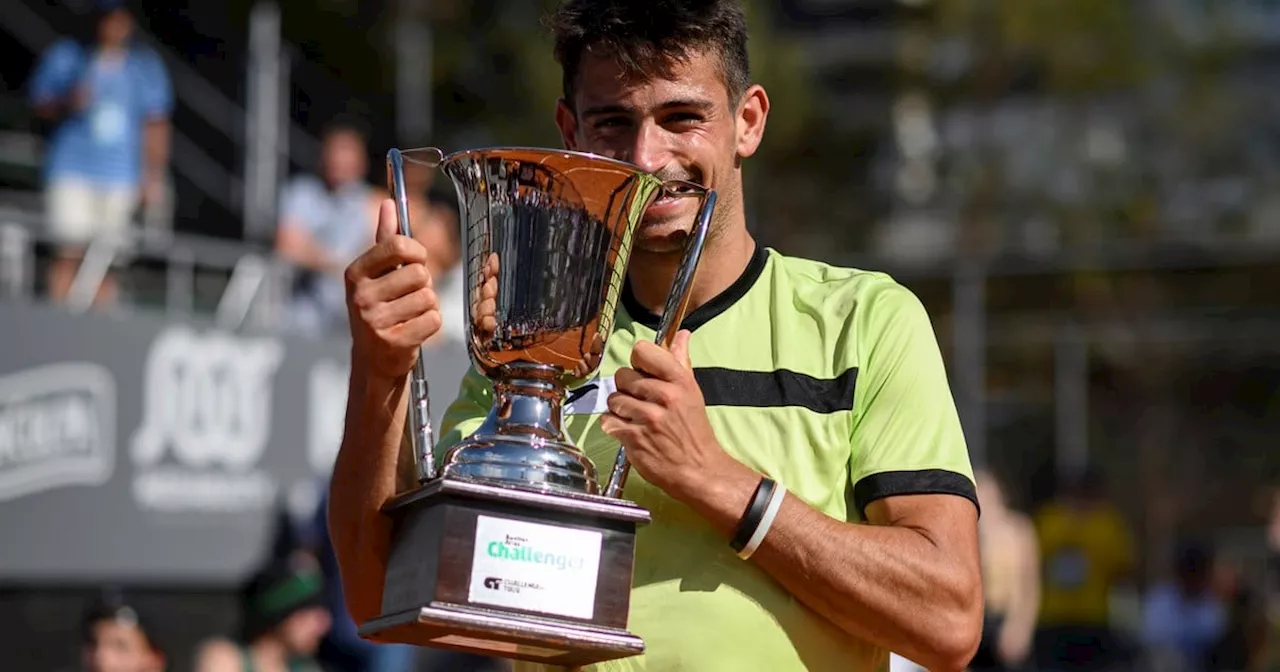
346,124
649,37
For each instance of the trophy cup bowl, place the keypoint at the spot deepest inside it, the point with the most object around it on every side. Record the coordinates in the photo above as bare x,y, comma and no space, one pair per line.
512,546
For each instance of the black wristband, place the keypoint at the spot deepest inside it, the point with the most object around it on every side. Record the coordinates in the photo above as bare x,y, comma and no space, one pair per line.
751,517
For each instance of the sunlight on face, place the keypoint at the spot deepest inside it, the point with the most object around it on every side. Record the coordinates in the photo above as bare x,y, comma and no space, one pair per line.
683,126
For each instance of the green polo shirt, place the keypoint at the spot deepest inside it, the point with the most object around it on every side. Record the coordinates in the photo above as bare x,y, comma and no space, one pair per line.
827,379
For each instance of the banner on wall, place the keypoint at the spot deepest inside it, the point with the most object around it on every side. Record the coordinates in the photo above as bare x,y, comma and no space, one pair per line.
140,449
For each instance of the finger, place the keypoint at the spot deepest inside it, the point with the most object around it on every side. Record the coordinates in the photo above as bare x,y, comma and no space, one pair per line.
656,361
680,348
414,332
385,256
650,391
630,408
388,221
402,309
400,282
625,377
617,428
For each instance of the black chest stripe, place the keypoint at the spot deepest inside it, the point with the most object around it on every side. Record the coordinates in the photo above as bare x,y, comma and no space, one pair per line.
774,389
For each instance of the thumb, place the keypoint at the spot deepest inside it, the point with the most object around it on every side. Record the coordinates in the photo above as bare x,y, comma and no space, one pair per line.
680,348
388,223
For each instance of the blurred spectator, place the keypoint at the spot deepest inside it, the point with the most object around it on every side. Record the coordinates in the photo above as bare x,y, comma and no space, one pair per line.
283,621
117,639
342,647
1011,580
435,225
1086,551
1183,617
325,222
1243,644
108,101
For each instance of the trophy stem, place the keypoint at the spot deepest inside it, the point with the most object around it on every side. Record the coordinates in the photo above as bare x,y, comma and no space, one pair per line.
529,407
522,442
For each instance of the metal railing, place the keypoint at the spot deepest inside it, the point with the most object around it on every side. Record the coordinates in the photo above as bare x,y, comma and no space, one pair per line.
253,296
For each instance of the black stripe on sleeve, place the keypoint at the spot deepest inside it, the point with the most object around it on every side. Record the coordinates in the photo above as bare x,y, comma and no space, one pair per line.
923,482
774,389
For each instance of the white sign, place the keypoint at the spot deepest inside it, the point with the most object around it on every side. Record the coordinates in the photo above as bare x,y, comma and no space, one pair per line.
592,398
57,428
207,405
537,567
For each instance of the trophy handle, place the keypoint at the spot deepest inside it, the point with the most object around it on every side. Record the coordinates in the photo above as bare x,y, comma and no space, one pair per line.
422,434
677,303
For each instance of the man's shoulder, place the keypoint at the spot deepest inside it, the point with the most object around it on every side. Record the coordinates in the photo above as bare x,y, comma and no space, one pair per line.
843,293
304,185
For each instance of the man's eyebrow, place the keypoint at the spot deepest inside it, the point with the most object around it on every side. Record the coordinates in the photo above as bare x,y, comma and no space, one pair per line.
699,104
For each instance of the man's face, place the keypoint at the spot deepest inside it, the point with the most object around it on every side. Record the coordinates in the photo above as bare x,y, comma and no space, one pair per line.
303,631
119,647
344,158
115,28
683,126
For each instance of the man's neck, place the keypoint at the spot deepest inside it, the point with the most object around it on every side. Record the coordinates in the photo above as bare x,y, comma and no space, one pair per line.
724,259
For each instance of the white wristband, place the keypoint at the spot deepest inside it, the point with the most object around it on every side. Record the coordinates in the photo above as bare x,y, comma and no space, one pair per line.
766,521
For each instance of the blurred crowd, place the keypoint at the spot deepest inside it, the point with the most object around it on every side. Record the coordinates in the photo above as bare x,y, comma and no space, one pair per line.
1056,579
1062,592
106,102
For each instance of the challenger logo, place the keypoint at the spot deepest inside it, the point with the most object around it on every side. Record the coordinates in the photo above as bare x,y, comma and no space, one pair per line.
516,549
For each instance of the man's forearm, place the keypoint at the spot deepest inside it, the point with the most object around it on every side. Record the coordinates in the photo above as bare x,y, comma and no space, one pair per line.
889,585
364,478
156,143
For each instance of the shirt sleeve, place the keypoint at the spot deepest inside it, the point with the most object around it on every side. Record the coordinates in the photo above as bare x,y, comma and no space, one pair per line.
298,201
56,72
906,437
157,94
468,410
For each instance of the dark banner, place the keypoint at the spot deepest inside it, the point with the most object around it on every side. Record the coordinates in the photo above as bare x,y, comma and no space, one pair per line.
143,450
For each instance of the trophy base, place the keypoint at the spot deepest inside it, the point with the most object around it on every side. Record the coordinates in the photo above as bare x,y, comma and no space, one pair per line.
510,572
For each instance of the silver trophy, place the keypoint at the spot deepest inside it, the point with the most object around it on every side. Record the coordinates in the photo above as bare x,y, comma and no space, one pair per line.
512,546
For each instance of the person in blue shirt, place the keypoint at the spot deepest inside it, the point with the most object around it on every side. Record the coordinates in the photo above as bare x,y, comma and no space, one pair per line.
108,101
1184,618
327,220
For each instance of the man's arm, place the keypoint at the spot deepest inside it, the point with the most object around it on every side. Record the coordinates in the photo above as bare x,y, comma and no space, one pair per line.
1024,610
909,581
295,241
393,311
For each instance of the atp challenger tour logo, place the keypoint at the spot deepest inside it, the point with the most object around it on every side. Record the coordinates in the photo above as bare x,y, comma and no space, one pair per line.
206,407
535,567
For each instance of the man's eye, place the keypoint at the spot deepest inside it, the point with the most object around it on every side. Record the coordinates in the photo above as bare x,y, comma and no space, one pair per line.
611,122
683,118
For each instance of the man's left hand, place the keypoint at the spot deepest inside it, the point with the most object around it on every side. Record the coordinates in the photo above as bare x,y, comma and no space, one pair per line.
659,415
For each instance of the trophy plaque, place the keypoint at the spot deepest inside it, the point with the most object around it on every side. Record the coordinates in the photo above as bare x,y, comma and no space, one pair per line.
511,546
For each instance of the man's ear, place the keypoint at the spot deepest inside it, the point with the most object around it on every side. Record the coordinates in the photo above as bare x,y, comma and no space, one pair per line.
567,122
753,112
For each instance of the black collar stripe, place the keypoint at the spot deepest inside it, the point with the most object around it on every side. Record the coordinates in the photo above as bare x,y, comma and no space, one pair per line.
704,313
776,389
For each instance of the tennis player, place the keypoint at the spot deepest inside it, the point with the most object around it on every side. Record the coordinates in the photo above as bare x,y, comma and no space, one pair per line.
813,502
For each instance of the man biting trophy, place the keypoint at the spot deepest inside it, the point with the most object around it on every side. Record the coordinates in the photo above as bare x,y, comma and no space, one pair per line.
802,496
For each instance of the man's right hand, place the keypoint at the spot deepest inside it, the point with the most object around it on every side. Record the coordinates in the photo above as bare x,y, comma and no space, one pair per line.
392,307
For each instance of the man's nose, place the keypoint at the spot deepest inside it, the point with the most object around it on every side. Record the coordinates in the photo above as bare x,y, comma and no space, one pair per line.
650,150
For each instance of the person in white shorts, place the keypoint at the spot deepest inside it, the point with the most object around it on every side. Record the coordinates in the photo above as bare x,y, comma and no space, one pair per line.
108,101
